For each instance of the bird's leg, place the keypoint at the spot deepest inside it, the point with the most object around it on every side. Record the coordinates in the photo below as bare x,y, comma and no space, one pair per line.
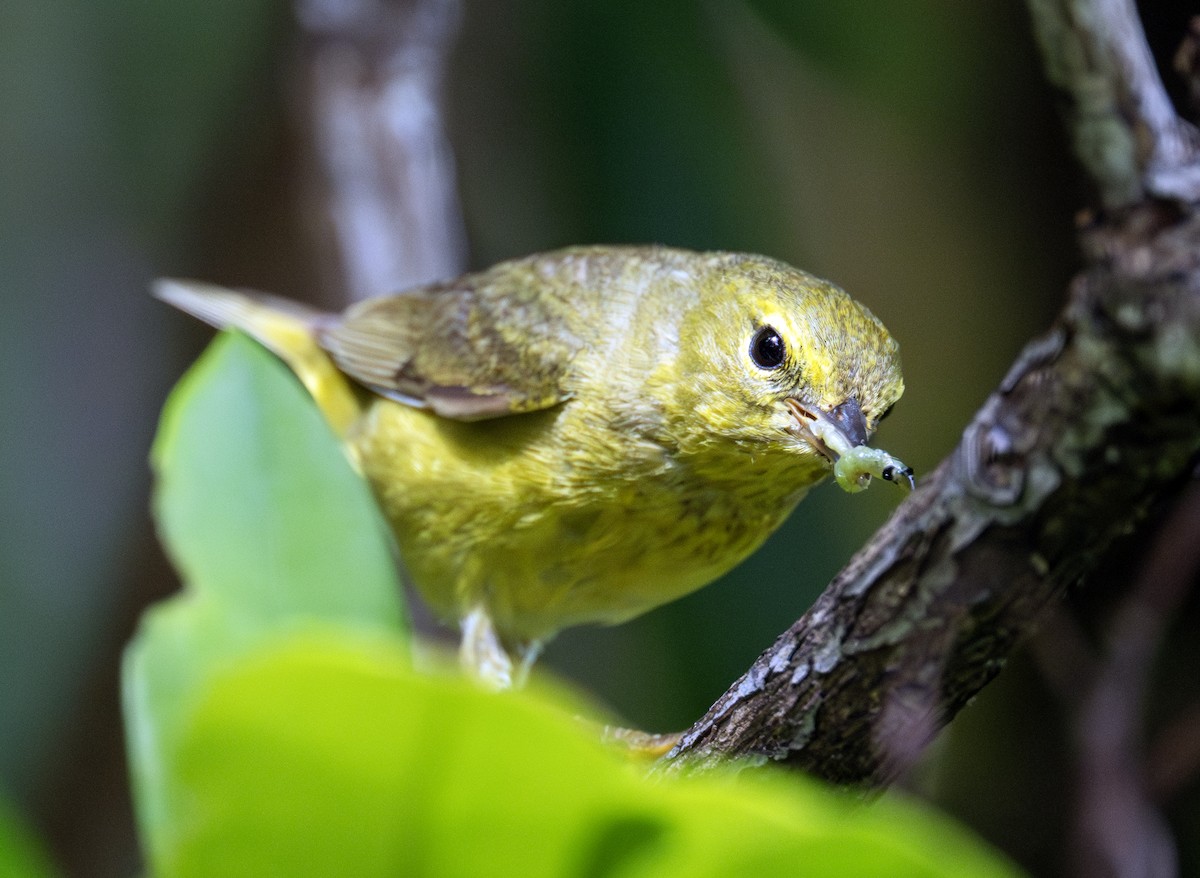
485,657
527,654
482,654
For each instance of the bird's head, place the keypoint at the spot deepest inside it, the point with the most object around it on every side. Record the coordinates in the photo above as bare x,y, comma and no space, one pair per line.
785,367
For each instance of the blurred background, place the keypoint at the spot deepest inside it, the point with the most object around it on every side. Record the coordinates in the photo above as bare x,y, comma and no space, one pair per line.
910,152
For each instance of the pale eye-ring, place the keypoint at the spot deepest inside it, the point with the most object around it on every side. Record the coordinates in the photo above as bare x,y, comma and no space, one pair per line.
767,349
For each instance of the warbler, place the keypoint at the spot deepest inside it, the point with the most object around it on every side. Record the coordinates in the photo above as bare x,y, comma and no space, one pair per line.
583,435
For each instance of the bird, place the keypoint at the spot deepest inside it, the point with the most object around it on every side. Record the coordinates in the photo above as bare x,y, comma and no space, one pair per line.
583,435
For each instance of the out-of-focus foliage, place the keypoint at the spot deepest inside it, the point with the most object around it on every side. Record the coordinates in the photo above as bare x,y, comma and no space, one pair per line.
324,754
99,194
272,529
21,855
277,725
248,510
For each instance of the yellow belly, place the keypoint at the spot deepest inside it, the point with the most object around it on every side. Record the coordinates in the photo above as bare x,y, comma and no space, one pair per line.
548,521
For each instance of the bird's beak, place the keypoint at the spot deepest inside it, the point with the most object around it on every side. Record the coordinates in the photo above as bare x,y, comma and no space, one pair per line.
840,434
833,432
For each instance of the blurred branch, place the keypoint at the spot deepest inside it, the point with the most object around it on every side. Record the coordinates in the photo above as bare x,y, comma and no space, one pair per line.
1175,755
374,71
1187,63
1094,424
1118,829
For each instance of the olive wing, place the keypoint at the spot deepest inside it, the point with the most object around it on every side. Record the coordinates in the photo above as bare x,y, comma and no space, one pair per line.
481,347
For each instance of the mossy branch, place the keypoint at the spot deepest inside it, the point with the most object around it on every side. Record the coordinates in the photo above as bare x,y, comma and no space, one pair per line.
1096,422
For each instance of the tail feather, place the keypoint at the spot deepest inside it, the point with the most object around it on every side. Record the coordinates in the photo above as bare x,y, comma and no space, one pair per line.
286,328
221,307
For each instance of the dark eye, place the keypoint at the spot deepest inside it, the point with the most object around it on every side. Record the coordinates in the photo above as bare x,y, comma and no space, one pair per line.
767,349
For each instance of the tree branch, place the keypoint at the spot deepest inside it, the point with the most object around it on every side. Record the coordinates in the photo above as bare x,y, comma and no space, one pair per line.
1096,422
386,197
1126,133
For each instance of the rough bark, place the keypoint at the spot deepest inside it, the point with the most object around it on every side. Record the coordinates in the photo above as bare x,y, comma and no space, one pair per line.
1097,421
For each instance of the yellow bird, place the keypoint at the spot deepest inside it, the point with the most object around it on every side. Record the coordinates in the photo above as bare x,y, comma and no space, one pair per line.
583,435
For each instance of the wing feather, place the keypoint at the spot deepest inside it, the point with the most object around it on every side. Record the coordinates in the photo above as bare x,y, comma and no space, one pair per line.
484,346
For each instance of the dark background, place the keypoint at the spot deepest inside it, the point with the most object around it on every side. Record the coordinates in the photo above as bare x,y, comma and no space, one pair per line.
910,152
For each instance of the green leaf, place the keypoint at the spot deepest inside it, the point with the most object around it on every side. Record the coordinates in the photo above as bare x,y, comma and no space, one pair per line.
272,531
180,643
21,856
317,756
256,501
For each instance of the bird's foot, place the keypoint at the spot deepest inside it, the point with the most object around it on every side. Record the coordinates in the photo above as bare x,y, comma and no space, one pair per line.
643,745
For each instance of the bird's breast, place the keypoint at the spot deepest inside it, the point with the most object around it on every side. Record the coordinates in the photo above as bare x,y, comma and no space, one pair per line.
551,523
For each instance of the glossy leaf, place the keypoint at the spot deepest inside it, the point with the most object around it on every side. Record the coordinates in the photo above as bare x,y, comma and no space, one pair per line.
272,531
256,502
21,855
320,757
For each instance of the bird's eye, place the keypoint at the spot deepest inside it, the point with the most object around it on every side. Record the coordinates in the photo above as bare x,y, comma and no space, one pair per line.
767,348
